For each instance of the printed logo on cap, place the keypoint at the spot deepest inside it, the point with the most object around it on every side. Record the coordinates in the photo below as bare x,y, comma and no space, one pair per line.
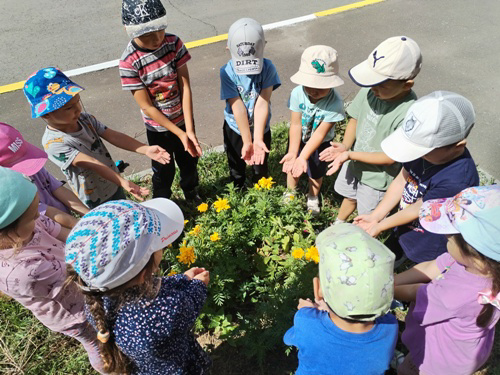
16,145
246,49
319,65
410,125
375,58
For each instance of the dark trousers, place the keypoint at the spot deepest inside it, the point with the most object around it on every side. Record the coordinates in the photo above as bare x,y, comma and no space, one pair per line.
233,143
163,174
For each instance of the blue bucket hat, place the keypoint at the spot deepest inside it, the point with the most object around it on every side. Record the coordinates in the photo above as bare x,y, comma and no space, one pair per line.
49,89
16,195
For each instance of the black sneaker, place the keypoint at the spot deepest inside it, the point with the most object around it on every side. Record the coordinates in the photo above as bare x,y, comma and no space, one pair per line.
193,197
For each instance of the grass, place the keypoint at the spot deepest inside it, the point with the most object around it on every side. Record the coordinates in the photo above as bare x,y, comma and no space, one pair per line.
27,347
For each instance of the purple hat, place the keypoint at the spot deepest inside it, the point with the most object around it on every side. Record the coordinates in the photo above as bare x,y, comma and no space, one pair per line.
49,89
474,213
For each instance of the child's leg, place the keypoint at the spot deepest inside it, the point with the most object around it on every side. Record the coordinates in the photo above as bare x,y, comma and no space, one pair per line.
315,186
163,174
346,185
346,209
187,168
87,336
233,143
291,182
260,171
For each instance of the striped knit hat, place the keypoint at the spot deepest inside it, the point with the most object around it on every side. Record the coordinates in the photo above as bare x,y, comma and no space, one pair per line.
143,16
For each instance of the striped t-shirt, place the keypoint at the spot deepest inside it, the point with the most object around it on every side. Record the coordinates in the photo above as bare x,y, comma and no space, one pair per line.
156,71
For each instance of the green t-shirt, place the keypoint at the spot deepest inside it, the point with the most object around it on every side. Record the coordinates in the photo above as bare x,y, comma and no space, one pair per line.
377,119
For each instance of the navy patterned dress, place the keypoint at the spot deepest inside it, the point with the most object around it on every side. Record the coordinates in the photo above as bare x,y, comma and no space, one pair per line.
157,334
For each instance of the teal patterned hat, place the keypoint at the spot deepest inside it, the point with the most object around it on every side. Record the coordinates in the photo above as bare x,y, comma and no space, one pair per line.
355,272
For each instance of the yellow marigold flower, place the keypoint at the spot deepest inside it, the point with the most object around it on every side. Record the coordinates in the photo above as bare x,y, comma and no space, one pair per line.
186,255
172,273
291,197
298,253
214,237
257,187
196,230
186,221
312,254
221,205
266,183
203,207
169,245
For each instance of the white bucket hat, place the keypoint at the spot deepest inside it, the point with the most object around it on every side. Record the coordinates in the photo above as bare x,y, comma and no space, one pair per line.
318,69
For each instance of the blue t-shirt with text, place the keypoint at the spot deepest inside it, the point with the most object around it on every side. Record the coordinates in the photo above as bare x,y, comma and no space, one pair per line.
327,109
248,88
325,349
432,181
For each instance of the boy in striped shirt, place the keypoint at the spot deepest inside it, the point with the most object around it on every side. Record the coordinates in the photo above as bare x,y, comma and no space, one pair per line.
153,67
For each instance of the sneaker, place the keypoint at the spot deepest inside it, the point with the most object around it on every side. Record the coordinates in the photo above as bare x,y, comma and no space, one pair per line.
193,197
313,205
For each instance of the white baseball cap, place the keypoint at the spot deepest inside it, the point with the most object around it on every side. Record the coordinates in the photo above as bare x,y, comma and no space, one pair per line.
246,43
112,243
319,68
436,120
396,58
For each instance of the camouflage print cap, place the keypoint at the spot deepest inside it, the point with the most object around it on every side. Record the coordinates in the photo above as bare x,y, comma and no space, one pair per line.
355,272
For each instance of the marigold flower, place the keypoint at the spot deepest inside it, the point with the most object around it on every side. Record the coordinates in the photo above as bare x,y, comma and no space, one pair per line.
291,197
202,207
312,254
257,187
214,237
266,183
298,253
221,205
186,255
186,221
196,230
172,273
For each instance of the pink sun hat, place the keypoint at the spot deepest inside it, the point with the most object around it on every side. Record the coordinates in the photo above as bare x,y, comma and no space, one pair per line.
17,154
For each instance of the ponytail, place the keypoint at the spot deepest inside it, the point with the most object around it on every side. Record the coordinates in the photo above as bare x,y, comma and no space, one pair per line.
491,268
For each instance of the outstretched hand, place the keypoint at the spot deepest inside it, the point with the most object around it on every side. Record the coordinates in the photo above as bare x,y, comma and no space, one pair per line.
287,162
299,167
330,153
337,163
247,153
158,154
137,191
259,152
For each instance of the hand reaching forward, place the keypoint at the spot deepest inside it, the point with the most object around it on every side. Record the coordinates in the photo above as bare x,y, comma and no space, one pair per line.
158,154
368,223
137,191
337,163
287,162
299,167
330,153
259,152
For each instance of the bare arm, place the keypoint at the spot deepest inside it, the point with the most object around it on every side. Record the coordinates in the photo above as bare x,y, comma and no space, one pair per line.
407,292
421,273
350,133
261,115
64,219
70,200
376,158
295,134
241,118
331,153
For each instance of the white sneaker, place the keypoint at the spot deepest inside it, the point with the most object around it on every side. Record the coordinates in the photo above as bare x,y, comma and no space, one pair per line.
288,197
313,205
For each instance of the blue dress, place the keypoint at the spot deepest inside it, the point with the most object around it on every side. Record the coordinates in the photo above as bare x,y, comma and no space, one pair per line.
157,334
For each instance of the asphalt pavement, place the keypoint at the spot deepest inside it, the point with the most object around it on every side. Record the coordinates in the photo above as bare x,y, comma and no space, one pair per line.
459,40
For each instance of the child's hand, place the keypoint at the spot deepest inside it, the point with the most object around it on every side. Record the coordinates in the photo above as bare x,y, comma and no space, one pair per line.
368,223
330,153
299,167
337,163
192,272
305,303
259,152
247,153
192,137
203,276
136,191
158,154
287,162
188,144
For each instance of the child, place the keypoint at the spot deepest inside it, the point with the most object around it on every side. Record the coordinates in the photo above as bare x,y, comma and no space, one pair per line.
377,110
436,164
455,298
144,323
315,107
32,268
153,67
56,201
348,329
247,82
73,140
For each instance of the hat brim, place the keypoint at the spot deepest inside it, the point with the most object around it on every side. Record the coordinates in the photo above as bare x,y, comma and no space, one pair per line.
33,160
363,75
316,81
248,69
399,148
171,219
434,218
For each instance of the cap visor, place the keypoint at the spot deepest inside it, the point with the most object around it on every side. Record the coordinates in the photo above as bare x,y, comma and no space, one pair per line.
171,218
34,159
399,148
364,76
249,69
433,216
315,81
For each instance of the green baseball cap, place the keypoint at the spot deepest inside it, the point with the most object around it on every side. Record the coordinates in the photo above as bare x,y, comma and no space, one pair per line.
16,194
355,272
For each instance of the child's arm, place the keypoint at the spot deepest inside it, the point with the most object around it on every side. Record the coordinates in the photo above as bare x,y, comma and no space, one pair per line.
142,98
187,105
312,145
126,142
330,153
391,198
376,158
406,284
70,200
241,118
405,216
64,219
82,160
261,114
295,135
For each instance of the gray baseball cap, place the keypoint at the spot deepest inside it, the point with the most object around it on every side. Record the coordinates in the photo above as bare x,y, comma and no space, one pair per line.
436,120
246,43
